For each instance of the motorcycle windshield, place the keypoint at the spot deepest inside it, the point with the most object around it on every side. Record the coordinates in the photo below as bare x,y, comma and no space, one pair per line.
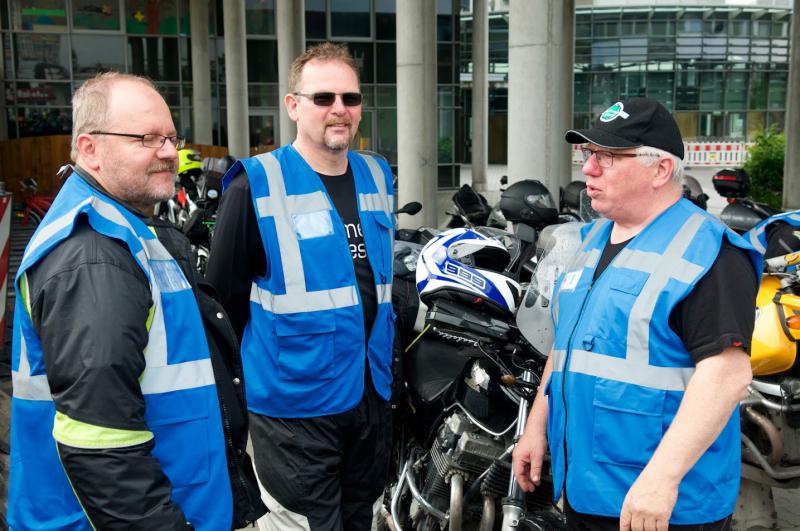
556,247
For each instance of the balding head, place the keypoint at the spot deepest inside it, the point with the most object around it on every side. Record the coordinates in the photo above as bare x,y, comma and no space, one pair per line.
91,104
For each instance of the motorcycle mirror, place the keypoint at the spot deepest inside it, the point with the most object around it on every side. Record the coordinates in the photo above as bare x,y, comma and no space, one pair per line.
411,208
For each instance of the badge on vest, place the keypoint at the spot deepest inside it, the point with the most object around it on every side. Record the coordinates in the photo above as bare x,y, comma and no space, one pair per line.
571,280
313,224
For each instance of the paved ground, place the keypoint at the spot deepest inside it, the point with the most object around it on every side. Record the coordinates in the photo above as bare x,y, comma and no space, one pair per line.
787,503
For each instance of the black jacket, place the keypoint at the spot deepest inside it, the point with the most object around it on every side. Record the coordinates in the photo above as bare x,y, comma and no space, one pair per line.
89,305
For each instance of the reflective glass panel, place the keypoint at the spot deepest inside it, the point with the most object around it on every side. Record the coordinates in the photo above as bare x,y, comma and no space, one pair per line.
263,95
262,61
755,123
736,90
93,54
350,18
605,91
444,63
386,63
39,15
386,139
444,20
660,86
446,136
385,96
711,90
758,90
95,15
777,90
260,17
262,132
158,17
44,121
363,55
385,25
154,57
41,56
735,127
315,19
581,102
42,94
363,138
4,14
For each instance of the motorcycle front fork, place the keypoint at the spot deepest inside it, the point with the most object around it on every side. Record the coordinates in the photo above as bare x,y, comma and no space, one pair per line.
514,503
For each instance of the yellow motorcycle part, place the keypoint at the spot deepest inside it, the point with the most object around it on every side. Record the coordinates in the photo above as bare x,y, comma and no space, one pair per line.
774,347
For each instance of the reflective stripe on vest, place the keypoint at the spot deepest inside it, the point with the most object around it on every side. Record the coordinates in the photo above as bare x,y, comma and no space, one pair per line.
158,376
757,235
280,207
635,367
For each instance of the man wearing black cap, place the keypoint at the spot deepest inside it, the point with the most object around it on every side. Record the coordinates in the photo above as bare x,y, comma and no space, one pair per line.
653,324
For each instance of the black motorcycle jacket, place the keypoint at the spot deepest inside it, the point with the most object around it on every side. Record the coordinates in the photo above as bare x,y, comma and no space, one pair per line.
125,488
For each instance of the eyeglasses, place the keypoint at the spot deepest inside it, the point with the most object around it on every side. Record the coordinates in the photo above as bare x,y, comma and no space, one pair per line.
604,158
326,99
149,140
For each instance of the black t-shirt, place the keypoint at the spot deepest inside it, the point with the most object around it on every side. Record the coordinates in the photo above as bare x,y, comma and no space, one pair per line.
237,253
342,189
712,317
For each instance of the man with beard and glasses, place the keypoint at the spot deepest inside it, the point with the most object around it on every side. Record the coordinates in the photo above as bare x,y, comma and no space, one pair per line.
126,410
302,260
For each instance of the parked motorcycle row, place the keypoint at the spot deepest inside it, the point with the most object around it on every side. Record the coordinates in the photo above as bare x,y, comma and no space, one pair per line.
474,331
193,209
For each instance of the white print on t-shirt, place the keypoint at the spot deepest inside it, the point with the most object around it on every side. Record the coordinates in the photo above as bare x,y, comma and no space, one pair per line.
356,240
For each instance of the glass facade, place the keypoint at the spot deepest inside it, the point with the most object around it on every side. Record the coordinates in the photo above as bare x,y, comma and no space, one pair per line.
51,46
721,70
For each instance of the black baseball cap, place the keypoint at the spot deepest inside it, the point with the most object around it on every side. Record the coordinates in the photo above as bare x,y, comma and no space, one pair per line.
631,123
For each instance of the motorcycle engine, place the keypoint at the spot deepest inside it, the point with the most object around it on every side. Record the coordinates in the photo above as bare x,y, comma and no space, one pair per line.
462,448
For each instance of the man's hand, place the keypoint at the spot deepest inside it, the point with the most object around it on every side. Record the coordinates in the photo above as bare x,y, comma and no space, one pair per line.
528,457
648,504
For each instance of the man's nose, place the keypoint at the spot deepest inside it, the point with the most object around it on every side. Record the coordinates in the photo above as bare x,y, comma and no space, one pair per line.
338,106
591,167
167,151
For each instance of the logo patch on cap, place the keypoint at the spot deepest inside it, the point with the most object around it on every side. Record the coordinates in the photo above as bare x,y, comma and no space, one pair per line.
612,112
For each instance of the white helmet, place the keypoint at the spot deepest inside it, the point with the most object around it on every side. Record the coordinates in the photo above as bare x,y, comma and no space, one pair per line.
466,265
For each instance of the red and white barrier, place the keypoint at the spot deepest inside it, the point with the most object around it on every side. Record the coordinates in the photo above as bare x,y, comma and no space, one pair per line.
710,154
5,245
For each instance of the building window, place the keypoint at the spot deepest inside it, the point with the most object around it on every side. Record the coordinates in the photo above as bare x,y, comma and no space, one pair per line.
350,18
93,54
385,20
41,56
154,17
39,15
154,57
260,17
315,19
95,15
262,61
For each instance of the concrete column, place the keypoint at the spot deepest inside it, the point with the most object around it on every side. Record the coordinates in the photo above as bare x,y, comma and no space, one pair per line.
567,84
791,163
201,74
480,94
290,24
536,89
417,109
236,79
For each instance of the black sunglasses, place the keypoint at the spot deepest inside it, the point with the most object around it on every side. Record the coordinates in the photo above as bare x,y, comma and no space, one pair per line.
326,99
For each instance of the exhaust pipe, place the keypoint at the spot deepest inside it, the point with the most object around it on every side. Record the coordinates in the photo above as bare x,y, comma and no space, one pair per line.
487,517
772,433
456,502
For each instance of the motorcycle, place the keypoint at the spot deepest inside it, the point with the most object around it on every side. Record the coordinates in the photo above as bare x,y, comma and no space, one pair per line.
741,214
770,415
193,209
464,384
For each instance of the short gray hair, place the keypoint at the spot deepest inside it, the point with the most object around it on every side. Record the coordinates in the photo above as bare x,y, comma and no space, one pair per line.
90,104
649,156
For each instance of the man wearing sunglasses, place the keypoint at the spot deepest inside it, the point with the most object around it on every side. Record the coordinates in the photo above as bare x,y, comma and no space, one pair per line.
639,402
124,410
302,259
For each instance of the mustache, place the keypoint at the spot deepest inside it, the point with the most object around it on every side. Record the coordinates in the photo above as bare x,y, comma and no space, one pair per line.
339,121
166,165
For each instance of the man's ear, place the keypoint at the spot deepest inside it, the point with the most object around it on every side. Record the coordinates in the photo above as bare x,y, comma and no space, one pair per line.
290,101
88,155
664,171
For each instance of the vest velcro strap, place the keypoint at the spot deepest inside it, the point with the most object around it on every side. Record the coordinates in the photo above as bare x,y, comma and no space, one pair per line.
311,301
177,377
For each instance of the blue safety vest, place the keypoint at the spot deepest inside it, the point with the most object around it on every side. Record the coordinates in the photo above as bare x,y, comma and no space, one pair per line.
303,346
626,370
757,236
182,408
